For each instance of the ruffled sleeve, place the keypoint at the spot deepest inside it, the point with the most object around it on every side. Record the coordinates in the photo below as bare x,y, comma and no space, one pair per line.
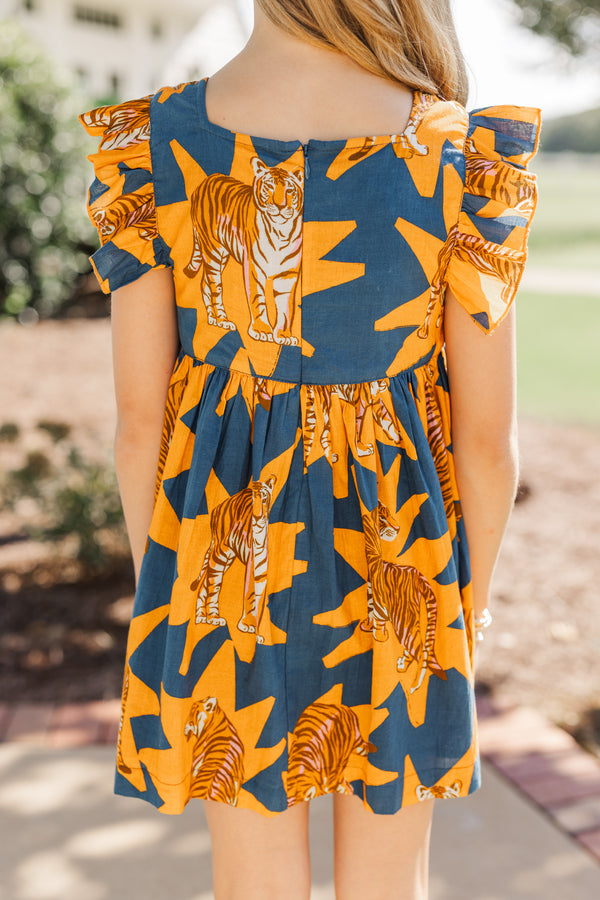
489,241
121,201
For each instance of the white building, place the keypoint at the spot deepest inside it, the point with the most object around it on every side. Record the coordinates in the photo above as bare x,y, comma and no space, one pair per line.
127,49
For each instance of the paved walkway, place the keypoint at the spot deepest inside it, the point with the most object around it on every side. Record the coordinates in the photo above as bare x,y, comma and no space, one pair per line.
532,831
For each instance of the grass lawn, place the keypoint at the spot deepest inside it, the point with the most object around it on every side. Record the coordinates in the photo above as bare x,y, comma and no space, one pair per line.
559,357
566,228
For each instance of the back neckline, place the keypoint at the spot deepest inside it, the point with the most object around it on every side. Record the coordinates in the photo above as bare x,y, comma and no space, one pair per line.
268,143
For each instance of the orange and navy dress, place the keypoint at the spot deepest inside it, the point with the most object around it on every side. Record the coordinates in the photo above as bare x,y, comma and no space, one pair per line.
303,619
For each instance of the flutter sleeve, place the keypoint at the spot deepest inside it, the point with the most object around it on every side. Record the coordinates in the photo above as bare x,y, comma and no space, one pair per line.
121,201
489,248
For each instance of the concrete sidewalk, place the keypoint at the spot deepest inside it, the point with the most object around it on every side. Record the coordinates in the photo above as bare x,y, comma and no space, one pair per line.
64,834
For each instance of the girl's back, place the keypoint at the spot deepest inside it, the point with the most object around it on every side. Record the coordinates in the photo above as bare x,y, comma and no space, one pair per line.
301,251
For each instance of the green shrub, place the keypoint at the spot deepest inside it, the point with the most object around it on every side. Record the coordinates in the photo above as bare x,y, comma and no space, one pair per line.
45,235
68,496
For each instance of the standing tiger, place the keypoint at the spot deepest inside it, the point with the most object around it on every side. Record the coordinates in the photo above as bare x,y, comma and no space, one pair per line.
239,529
218,755
396,594
260,226
324,738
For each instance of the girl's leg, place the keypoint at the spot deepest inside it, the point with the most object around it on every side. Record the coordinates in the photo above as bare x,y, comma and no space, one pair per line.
256,857
382,857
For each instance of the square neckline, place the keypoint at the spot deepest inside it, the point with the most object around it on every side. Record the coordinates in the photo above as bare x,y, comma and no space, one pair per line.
268,143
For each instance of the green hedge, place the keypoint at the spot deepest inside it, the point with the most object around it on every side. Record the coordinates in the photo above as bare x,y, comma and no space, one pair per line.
45,235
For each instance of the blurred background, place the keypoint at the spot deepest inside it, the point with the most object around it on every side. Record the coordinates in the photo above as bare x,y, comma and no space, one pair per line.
66,579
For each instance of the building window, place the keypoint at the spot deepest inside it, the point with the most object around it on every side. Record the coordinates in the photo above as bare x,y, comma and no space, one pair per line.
97,17
115,84
29,5
156,30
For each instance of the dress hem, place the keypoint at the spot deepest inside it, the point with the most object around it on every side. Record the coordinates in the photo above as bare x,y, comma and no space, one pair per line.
474,785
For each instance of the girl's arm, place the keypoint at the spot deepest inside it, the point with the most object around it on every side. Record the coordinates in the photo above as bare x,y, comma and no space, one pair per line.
482,376
145,344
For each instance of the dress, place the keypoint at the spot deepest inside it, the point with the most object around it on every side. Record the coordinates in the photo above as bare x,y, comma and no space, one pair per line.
303,619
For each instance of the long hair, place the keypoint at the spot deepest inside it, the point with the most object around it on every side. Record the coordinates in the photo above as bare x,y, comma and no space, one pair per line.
410,41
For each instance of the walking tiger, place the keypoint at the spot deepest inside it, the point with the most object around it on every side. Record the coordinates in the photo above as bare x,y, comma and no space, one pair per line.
260,226
239,530
396,594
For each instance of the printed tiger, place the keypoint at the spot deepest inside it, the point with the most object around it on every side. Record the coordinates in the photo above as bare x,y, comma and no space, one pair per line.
324,739
439,791
486,257
499,181
437,444
124,125
121,764
362,400
239,530
260,226
218,754
173,402
129,211
397,594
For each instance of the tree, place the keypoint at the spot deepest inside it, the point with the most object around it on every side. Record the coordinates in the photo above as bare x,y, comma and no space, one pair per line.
573,24
45,235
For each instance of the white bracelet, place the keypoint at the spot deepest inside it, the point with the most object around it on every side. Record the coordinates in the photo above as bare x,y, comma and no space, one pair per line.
481,622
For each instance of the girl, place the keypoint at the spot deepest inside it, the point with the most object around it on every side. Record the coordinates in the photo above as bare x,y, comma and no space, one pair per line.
312,257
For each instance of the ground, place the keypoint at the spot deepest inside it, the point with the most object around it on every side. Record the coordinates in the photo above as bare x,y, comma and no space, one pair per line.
64,640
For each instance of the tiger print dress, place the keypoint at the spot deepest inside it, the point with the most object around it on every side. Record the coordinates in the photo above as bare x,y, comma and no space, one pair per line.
303,619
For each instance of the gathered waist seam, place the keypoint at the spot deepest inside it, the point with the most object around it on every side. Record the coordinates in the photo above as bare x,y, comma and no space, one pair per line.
427,362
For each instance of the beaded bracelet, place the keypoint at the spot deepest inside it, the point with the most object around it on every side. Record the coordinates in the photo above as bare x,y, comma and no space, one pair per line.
481,622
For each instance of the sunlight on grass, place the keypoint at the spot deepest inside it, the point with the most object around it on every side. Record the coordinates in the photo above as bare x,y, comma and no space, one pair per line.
558,357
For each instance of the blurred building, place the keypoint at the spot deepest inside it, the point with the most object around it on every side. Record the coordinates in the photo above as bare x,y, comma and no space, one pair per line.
126,49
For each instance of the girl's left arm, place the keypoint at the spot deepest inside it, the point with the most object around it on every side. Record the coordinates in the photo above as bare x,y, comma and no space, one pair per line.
145,343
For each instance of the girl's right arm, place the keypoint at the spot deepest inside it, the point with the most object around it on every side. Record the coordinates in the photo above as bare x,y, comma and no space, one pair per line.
482,377
145,344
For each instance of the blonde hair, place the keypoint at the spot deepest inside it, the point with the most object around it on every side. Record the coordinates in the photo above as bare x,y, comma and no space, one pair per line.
410,41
